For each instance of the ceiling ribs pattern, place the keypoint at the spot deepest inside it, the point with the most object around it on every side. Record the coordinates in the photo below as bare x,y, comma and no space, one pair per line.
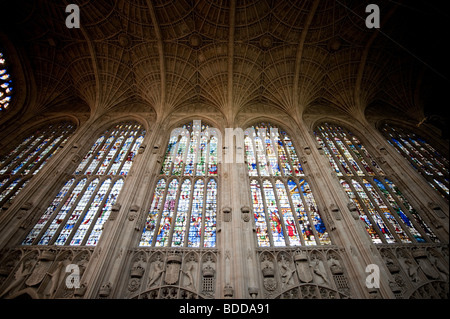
225,56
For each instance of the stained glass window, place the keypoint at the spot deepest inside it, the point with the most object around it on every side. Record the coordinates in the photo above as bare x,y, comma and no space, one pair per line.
6,84
387,215
27,158
422,156
184,203
285,211
78,212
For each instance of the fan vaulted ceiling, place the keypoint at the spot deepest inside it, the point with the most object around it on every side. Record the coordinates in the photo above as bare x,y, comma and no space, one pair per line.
225,55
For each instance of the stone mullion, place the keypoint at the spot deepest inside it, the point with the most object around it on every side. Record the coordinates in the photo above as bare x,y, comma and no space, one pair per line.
99,148
370,196
440,166
262,136
38,140
11,157
31,159
208,147
289,158
188,214
85,210
105,154
161,209
185,154
119,169
5,188
99,211
275,152
266,211
175,213
111,163
173,155
69,213
196,153
294,211
417,149
255,152
367,159
95,151
280,164
342,152
262,152
422,172
308,212
57,210
366,211
355,156
280,215
392,210
380,212
405,210
202,228
330,152
46,156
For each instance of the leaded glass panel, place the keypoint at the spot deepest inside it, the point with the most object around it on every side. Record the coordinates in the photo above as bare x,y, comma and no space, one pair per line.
387,215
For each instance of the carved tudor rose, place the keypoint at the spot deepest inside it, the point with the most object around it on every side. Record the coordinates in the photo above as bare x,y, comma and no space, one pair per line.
226,214
134,212
245,213
105,290
228,291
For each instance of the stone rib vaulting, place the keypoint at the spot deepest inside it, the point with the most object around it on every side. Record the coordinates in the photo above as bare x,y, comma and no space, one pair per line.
222,149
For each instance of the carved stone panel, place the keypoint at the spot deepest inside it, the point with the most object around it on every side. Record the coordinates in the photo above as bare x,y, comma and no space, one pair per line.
159,273
303,273
43,273
416,271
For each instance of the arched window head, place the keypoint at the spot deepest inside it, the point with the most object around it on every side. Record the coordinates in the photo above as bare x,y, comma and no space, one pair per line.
387,215
192,151
78,212
184,205
421,155
6,84
29,156
284,208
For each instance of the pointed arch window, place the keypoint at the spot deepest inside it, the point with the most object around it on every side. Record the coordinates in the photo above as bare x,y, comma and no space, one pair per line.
284,207
421,155
27,158
184,205
6,84
387,215
77,213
